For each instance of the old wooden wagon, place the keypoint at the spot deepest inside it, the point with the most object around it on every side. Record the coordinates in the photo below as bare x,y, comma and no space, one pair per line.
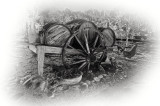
80,43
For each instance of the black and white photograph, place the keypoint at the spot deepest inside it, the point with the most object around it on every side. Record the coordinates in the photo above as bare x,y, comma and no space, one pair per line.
80,53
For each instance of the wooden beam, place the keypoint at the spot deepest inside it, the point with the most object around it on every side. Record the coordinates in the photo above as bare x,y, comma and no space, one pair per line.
41,54
33,48
56,50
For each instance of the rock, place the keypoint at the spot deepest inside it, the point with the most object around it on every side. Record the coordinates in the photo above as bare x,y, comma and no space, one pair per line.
117,70
71,81
104,75
83,86
103,80
120,76
77,87
96,79
25,78
59,88
65,87
43,86
107,61
124,74
50,94
90,75
93,81
88,82
100,76
49,68
107,85
119,65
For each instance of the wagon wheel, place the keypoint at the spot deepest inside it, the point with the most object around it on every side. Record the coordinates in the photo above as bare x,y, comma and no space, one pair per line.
90,54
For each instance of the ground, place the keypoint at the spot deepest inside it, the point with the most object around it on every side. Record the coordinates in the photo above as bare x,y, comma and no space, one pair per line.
26,66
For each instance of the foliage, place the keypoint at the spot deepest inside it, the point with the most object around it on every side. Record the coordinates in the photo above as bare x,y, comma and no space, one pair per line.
117,19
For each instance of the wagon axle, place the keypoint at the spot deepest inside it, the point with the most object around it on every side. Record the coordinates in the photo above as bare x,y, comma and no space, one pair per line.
91,58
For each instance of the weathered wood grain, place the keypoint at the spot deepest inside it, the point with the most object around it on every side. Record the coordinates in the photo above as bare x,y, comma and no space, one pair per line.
41,54
55,50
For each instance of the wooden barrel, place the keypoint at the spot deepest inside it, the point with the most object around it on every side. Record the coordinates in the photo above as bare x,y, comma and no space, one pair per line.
109,36
56,34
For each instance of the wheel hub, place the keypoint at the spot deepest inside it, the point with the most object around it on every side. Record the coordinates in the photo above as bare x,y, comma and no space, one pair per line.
91,58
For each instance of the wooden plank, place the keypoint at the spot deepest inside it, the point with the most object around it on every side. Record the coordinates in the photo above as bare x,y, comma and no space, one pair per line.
41,54
55,50
58,50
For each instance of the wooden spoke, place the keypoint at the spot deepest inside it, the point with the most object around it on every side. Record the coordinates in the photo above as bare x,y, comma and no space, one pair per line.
76,32
98,53
87,33
71,46
80,43
103,63
96,48
76,49
95,42
102,56
83,65
99,49
100,34
88,66
78,62
87,46
102,68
